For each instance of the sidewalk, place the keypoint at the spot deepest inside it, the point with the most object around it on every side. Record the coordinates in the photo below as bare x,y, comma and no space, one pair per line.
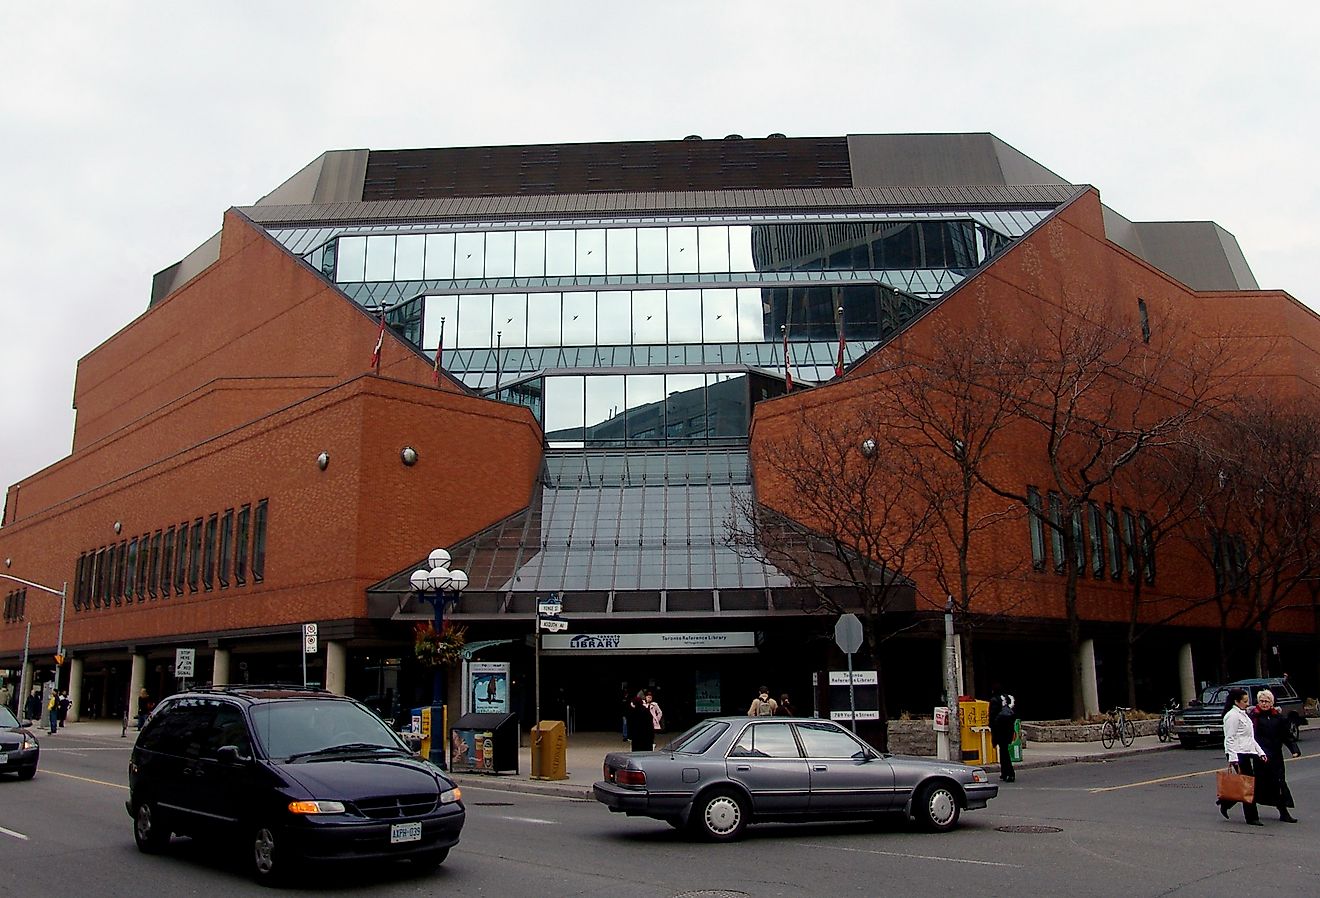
586,754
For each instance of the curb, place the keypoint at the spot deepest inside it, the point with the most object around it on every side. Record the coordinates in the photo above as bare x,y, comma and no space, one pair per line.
557,789
1090,758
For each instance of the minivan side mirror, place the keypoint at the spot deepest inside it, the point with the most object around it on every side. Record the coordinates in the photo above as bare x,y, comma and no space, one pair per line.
228,754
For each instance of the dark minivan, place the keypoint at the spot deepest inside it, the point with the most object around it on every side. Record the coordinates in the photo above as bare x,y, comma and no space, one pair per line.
295,775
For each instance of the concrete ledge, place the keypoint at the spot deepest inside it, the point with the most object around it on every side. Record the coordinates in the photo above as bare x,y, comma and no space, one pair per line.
1065,731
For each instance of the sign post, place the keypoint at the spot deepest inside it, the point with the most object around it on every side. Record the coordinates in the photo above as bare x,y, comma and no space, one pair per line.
309,647
547,618
848,636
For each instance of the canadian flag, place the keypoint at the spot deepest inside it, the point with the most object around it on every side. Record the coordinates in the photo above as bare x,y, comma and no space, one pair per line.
380,341
439,351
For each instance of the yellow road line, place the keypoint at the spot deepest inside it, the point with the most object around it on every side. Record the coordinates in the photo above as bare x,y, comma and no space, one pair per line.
1181,776
84,779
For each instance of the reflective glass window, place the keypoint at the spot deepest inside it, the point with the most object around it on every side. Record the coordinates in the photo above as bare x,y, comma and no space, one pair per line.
409,253
544,312
560,254
652,251
713,248
499,254
564,409
740,248
621,251
591,251
380,258
529,254
579,319
719,309
646,408
605,410
352,259
474,321
682,250
726,405
469,255
751,316
684,316
648,316
259,542
685,408
439,257
440,312
1036,528
614,318
510,313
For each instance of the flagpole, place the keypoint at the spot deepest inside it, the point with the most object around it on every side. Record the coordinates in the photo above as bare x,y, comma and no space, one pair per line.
499,339
838,365
788,371
439,350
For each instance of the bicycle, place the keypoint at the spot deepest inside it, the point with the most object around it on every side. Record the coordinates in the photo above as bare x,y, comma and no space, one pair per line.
1117,726
1165,728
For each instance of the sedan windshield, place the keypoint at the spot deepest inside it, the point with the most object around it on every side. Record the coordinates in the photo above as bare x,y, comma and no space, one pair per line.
305,728
696,740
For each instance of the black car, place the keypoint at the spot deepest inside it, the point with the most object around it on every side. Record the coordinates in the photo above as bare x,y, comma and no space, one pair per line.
19,749
296,775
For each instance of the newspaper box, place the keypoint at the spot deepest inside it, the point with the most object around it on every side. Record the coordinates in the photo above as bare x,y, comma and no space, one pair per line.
484,743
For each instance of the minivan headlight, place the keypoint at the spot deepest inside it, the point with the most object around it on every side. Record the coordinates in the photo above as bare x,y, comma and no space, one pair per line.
29,743
449,796
316,807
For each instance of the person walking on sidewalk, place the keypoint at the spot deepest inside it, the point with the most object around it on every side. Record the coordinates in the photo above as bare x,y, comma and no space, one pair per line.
640,726
1003,719
763,705
1273,732
1243,751
785,708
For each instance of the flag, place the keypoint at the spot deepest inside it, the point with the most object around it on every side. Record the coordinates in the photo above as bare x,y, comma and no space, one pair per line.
380,342
838,364
438,351
788,369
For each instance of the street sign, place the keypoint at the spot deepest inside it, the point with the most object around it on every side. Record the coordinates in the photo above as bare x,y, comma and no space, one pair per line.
848,633
309,639
184,662
553,624
549,609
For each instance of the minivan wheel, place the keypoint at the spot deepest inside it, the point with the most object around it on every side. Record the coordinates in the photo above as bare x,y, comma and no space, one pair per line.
269,866
719,816
149,831
431,861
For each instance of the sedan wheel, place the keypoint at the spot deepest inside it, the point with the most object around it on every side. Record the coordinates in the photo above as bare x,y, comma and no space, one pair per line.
937,808
720,817
148,832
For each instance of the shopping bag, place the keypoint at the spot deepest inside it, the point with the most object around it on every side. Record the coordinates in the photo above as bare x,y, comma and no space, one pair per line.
1234,786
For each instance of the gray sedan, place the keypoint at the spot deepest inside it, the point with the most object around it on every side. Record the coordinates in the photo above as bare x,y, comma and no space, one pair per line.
728,771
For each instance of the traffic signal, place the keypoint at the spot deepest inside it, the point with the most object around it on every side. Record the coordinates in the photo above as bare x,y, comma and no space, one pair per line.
59,660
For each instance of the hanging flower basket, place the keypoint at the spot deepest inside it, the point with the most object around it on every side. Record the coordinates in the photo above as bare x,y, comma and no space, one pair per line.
443,650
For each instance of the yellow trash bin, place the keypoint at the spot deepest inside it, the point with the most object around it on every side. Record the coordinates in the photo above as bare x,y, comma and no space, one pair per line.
549,751
978,747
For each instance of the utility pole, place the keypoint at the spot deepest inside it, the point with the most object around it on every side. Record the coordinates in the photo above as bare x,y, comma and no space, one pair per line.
951,683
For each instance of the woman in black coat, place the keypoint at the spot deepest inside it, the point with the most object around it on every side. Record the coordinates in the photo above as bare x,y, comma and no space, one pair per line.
641,728
1273,732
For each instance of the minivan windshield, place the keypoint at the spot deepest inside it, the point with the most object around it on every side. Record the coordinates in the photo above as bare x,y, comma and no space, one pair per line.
7,719
310,727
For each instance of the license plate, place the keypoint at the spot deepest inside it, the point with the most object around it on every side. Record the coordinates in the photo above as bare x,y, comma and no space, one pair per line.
4,758
1205,731
405,832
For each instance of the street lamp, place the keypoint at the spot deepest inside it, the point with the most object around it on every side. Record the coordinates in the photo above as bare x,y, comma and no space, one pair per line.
62,592
438,586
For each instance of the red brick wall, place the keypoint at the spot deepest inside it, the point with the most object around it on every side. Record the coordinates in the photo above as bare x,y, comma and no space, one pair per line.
1067,264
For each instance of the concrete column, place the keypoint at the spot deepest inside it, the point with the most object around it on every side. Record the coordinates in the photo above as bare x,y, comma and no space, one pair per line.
1186,673
336,668
136,680
220,668
75,688
1090,690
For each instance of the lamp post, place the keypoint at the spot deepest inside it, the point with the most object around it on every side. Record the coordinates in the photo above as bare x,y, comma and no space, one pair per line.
439,586
62,592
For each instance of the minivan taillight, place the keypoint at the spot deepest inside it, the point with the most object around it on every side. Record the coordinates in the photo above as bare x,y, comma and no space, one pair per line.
625,777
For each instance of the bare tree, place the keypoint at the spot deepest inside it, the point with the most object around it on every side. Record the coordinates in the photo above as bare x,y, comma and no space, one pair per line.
835,513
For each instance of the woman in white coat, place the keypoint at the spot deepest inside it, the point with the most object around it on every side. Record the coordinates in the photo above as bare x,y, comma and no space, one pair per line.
1241,747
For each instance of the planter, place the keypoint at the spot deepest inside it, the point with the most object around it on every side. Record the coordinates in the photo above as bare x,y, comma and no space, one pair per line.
1067,731
912,737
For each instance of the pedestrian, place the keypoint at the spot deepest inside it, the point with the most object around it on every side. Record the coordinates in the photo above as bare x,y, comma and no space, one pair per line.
64,707
145,704
1242,749
640,725
4,695
657,715
33,706
785,708
1273,732
53,711
1003,730
625,708
763,705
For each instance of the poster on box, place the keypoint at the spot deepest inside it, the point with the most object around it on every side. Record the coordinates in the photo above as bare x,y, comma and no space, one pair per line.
488,685
707,692
463,750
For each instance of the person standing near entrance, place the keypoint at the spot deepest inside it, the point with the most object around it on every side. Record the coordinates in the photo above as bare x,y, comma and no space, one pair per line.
657,715
763,705
32,707
640,725
64,707
1244,753
53,711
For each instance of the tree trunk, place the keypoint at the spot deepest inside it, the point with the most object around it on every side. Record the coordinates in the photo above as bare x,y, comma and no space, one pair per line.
1074,640
1131,667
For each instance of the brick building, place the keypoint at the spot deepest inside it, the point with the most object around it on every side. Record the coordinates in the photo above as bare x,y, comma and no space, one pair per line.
611,323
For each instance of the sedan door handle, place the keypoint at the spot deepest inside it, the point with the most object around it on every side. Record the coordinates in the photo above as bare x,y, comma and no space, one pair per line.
820,767
742,768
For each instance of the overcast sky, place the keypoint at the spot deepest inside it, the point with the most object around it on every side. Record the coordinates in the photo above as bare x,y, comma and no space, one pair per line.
127,129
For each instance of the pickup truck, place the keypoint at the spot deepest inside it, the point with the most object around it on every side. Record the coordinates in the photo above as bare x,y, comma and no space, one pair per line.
1203,720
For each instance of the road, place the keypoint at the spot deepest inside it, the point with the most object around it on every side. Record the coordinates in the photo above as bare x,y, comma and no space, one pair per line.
1135,826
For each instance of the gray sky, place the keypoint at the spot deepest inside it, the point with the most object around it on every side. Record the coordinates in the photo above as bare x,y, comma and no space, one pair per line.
127,129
